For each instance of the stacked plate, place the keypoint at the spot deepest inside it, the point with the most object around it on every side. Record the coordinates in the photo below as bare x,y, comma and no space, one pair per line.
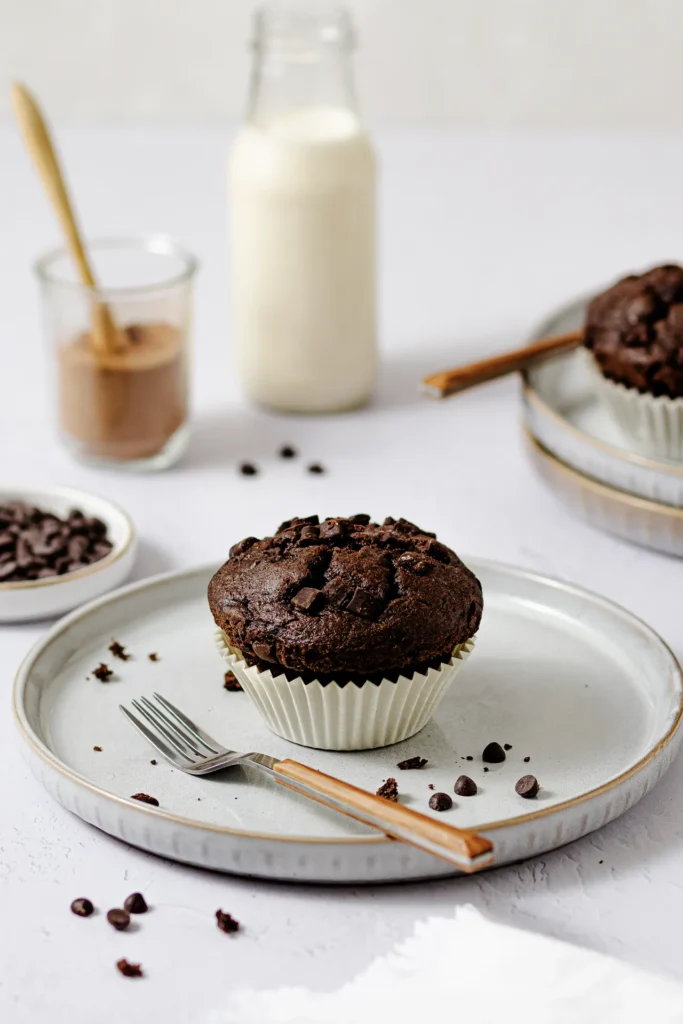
583,456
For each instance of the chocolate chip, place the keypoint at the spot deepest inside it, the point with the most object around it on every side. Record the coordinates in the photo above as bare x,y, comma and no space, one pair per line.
331,530
507,746
153,761
469,758
485,768
309,535
264,652
440,802
119,919
82,907
119,651
135,903
102,672
526,760
232,683
144,798
389,790
308,599
527,787
129,970
364,604
153,656
430,786
412,762
316,468
242,546
226,922
337,592
248,469
361,519
493,753
98,749
465,786
287,452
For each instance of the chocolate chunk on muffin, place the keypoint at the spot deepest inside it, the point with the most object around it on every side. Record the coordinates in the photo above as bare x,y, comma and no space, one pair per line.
346,599
635,331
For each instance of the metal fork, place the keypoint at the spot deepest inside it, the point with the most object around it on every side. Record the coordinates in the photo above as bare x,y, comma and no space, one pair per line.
189,748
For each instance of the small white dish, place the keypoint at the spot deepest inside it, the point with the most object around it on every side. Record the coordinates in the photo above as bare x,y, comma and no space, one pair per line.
584,689
39,599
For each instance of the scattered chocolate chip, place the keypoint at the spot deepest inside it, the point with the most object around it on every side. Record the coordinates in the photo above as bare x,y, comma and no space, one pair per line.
153,656
144,798
287,452
129,970
98,749
316,468
118,650
527,787
36,545
526,760
601,862
153,761
226,922
82,907
135,903
119,919
493,753
103,672
412,762
440,802
465,786
430,786
485,768
248,469
469,758
389,790
507,746
308,599
232,683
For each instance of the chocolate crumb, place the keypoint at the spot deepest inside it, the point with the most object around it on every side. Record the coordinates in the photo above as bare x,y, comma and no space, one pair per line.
153,761
465,786
82,907
153,656
507,746
129,970
248,469
226,922
412,762
440,802
118,651
144,798
493,753
98,749
135,903
527,787
389,790
232,683
316,468
287,452
119,919
102,672
430,786
526,760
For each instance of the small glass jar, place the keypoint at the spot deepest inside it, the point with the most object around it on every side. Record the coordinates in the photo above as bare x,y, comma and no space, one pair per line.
124,404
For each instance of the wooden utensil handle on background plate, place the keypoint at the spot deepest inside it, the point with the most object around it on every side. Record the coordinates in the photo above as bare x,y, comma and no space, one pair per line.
450,382
461,848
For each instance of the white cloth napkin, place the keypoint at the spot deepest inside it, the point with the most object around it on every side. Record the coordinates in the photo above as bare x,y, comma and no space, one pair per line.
470,968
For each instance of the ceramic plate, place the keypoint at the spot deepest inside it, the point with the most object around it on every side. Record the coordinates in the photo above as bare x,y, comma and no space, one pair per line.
589,693
568,419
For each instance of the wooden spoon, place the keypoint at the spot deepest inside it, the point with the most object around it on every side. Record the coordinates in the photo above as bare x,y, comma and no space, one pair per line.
450,382
106,336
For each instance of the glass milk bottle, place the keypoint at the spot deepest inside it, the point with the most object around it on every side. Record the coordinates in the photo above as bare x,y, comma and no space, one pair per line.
303,219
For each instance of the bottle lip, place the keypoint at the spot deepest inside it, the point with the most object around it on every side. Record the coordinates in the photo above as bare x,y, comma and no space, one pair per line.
300,26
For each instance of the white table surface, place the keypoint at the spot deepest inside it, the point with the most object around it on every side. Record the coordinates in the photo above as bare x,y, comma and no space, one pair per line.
481,236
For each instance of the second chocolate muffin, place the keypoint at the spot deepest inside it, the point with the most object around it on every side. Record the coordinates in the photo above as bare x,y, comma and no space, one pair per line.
345,599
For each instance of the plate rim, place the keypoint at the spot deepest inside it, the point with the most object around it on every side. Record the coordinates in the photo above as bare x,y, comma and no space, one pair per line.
532,396
51,761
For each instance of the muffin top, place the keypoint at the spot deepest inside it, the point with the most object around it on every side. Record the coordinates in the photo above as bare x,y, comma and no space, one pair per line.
635,331
345,598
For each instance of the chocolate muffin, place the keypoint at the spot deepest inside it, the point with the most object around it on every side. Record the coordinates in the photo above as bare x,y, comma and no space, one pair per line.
345,599
635,332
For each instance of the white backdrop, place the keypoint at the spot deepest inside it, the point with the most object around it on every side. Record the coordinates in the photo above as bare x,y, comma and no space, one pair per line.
611,64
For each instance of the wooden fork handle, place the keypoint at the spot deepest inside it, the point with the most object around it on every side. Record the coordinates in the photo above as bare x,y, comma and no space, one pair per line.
450,382
461,848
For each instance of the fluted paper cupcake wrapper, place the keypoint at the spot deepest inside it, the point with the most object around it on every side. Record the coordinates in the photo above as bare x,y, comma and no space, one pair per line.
349,717
654,423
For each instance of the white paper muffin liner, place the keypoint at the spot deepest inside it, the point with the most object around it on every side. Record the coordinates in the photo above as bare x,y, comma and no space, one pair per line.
654,423
346,717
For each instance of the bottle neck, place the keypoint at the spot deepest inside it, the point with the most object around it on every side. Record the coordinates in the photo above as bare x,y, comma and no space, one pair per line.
302,60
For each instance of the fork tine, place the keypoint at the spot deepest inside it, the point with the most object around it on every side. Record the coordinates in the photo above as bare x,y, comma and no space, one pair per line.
193,729
151,737
174,741
175,729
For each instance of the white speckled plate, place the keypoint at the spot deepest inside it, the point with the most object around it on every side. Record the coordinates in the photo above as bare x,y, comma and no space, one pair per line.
589,693
567,418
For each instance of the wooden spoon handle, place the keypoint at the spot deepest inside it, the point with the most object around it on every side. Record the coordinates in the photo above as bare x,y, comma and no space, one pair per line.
39,144
461,848
450,382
